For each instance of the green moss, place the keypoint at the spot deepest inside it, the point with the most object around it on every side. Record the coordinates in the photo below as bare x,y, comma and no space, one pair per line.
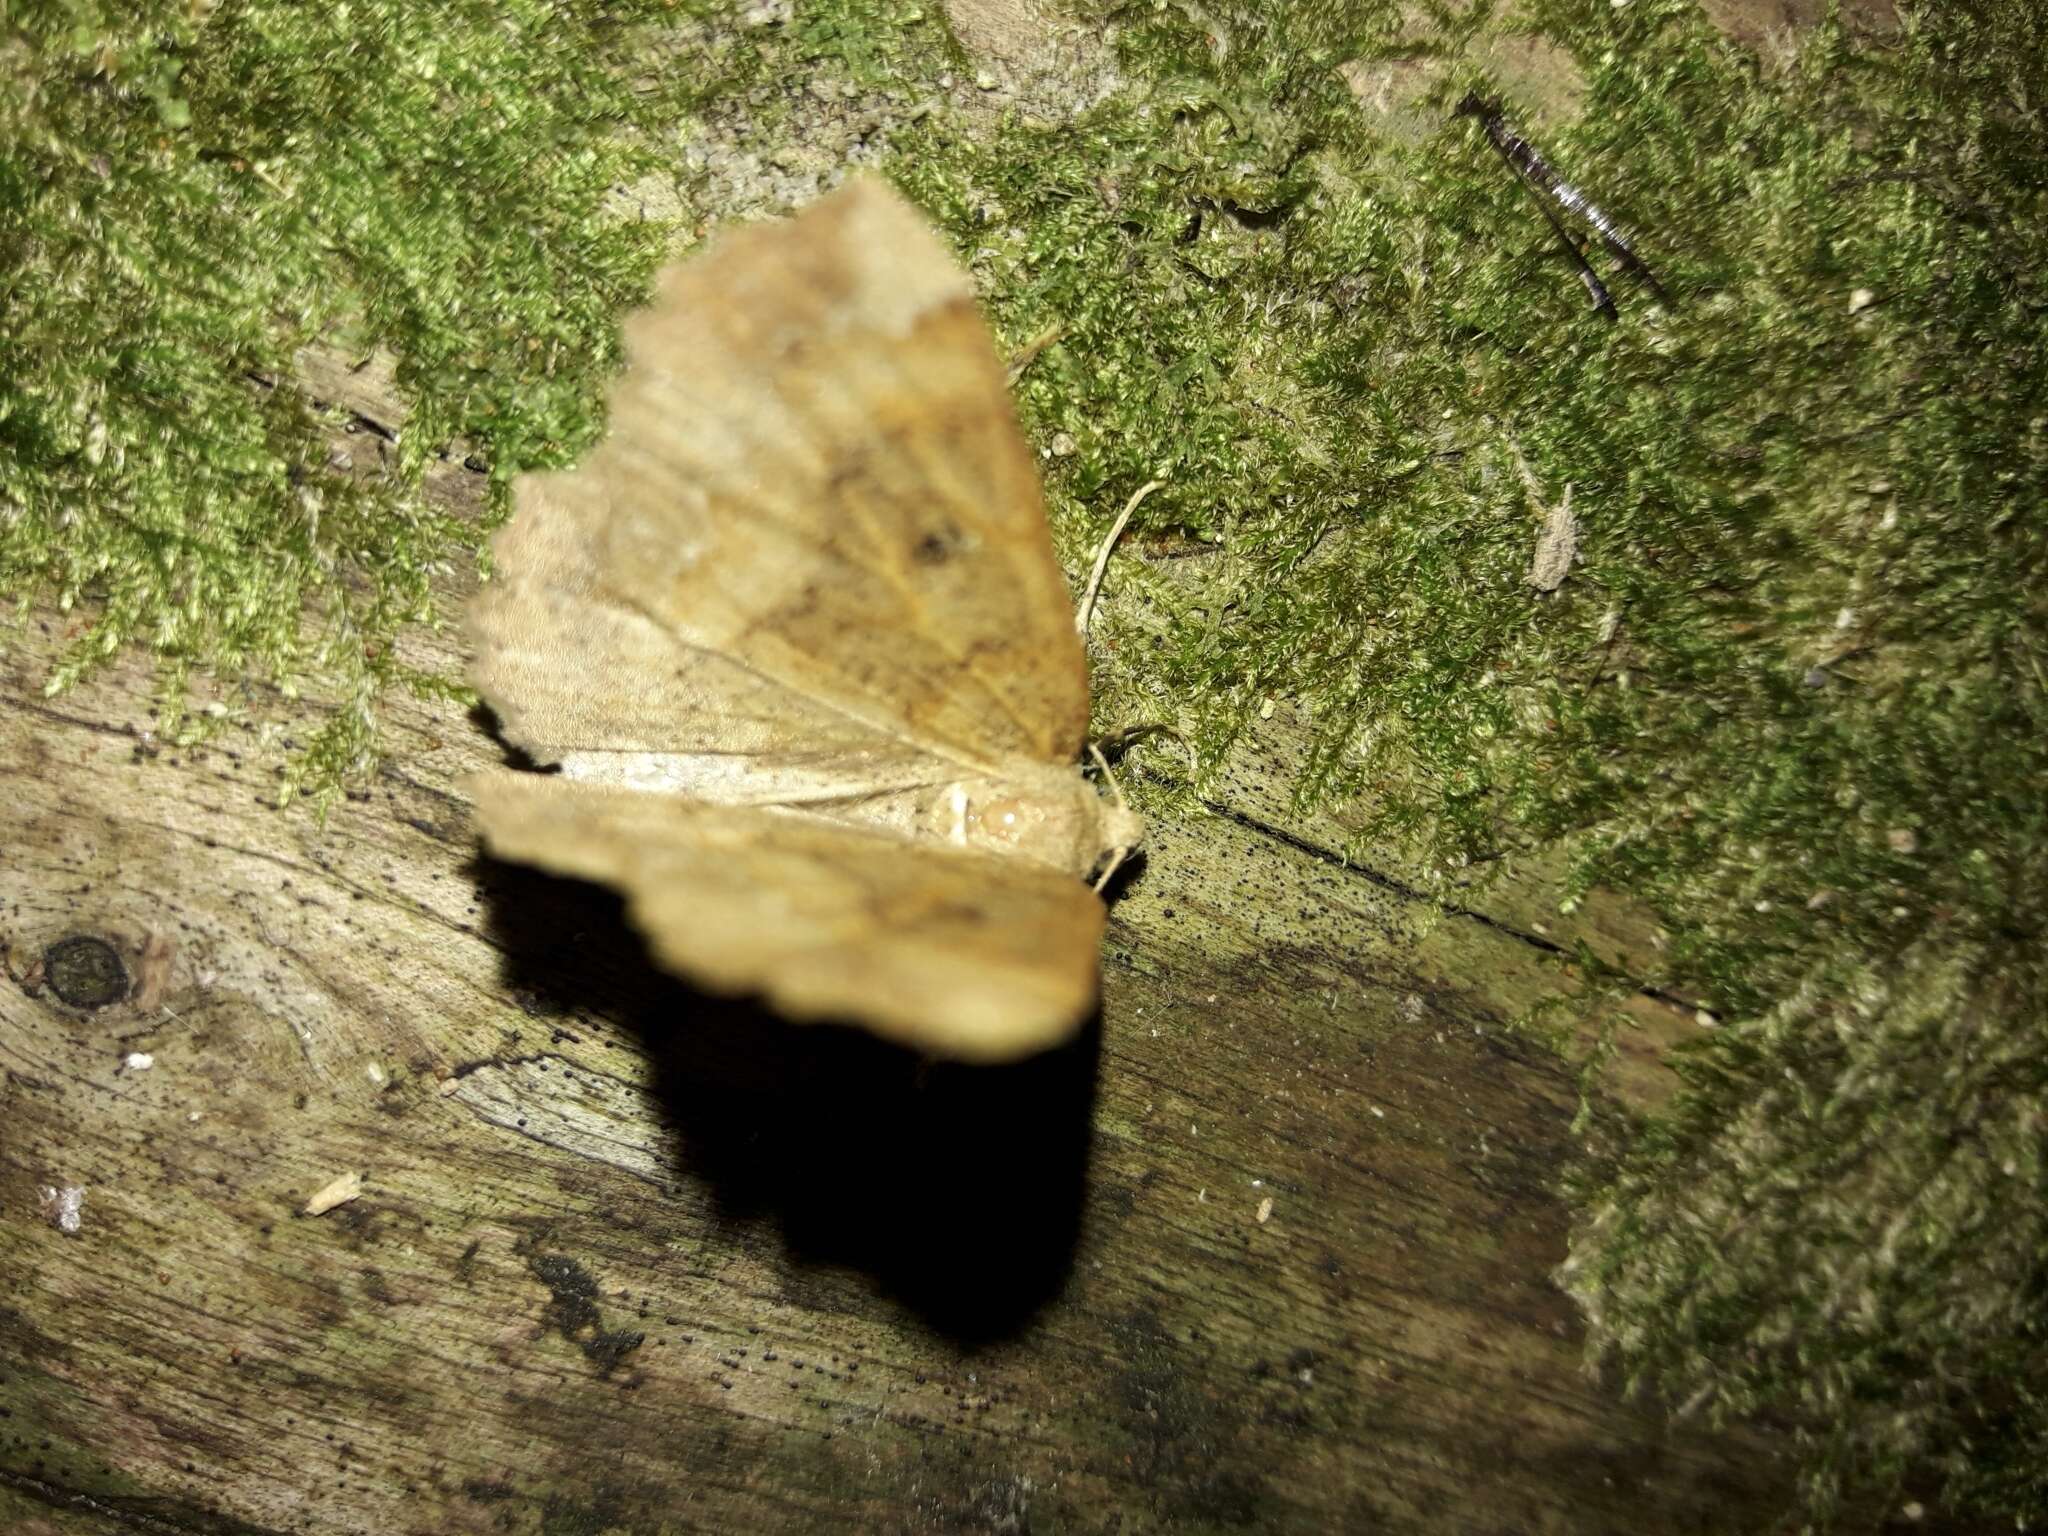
1804,552
1843,1224
184,202
1792,695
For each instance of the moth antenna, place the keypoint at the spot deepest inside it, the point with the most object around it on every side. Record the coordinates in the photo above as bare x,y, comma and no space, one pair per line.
1108,776
1135,733
1116,862
1087,609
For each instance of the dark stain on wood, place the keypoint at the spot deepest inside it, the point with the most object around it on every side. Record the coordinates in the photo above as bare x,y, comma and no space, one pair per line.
112,1513
85,971
1180,1429
572,1311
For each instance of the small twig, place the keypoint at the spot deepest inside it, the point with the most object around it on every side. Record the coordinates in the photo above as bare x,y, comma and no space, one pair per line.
1543,183
1087,609
1027,354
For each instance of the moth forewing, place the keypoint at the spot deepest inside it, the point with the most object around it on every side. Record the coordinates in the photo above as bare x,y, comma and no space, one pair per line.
796,641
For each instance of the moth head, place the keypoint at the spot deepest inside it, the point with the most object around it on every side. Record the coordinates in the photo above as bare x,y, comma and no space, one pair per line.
1122,830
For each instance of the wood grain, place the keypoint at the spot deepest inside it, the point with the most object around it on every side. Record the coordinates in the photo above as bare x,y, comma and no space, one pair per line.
628,1260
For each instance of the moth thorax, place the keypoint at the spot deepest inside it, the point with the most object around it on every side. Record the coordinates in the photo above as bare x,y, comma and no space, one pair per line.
1024,820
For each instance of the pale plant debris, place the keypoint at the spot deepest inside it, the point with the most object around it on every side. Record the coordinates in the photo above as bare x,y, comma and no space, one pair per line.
1555,546
1027,354
1100,567
152,972
337,1191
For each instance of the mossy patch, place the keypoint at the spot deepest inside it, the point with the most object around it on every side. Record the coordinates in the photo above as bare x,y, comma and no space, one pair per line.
189,195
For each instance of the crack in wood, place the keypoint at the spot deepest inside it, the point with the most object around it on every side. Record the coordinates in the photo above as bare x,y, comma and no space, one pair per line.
193,1523
1330,858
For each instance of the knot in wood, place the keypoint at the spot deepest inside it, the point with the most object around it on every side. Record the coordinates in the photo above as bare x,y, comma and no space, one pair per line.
85,971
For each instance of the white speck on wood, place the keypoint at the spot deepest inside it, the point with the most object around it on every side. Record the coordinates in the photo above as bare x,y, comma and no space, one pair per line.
336,1192
63,1205
138,1061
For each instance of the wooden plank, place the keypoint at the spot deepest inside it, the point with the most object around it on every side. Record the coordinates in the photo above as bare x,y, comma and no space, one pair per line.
629,1259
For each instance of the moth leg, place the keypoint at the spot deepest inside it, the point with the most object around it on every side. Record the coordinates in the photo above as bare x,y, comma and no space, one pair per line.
1109,777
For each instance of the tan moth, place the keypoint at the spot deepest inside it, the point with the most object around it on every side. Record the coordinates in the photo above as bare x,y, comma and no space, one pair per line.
795,640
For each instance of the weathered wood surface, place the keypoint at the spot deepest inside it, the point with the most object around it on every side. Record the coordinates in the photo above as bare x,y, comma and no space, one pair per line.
627,1259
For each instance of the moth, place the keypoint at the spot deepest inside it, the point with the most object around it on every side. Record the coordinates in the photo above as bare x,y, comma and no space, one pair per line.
794,641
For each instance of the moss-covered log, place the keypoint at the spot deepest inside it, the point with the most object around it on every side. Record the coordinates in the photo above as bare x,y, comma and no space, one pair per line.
621,1259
